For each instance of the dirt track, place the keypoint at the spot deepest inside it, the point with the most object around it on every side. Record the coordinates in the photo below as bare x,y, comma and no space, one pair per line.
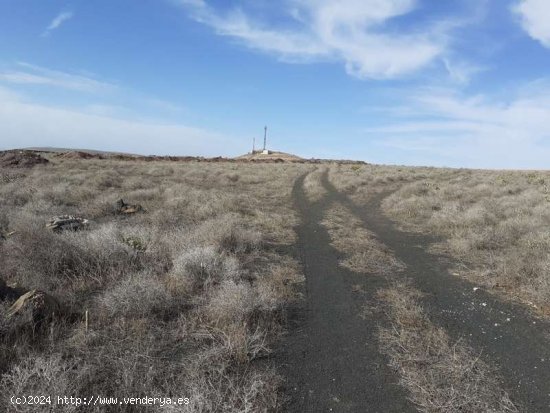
332,359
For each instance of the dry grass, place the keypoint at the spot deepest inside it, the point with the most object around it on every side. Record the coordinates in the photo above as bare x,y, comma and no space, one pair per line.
495,223
363,252
441,376
182,300
313,187
362,181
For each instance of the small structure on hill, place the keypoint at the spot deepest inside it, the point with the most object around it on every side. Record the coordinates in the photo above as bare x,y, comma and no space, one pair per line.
265,151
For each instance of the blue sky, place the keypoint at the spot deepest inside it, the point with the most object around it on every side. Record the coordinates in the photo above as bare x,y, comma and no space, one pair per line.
462,83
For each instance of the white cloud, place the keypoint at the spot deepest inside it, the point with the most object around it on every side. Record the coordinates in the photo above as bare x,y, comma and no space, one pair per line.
58,21
535,19
351,31
474,131
28,124
460,71
36,75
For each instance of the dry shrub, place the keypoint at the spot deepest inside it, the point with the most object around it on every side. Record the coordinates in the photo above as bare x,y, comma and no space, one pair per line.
201,267
42,257
49,261
227,233
441,376
40,375
241,343
231,303
128,358
15,334
181,298
233,177
141,295
239,240
212,388
494,222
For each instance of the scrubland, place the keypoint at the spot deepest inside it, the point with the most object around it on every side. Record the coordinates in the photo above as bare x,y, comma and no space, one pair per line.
494,224
493,228
188,298
185,299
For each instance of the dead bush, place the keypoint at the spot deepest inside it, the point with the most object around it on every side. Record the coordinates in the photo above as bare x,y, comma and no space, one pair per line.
41,375
203,266
42,258
212,388
139,295
180,299
231,302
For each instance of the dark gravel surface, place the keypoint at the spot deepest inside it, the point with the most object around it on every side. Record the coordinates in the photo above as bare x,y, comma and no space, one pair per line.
331,357
505,334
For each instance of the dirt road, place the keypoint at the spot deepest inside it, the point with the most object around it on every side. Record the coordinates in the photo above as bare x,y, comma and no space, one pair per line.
332,359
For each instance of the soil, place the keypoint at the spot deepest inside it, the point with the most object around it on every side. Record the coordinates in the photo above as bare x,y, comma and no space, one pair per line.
331,357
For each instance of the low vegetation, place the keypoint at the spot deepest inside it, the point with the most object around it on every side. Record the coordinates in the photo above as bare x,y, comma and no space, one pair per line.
313,187
441,376
362,252
492,223
185,294
495,224
183,299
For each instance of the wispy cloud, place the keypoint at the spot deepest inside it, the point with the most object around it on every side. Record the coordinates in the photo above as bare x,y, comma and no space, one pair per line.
535,19
26,123
460,71
114,100
338,30
475,131
57,22
26,73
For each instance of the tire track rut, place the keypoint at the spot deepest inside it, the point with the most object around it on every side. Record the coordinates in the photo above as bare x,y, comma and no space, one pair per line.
505,334
331,359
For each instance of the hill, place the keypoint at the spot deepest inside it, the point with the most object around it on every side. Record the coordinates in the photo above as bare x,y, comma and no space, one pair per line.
271,156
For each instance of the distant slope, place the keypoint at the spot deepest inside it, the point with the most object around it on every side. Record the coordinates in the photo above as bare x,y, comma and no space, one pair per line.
92,151
272,155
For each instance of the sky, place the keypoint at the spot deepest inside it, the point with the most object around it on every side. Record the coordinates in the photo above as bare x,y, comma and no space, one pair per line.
458,83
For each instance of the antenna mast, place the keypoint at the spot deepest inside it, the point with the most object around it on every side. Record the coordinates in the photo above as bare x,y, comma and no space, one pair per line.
265,137
253,145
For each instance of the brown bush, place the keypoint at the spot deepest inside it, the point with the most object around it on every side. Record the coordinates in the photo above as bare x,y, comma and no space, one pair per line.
179,300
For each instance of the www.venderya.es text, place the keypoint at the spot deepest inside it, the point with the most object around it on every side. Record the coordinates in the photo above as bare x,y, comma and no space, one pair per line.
95,400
